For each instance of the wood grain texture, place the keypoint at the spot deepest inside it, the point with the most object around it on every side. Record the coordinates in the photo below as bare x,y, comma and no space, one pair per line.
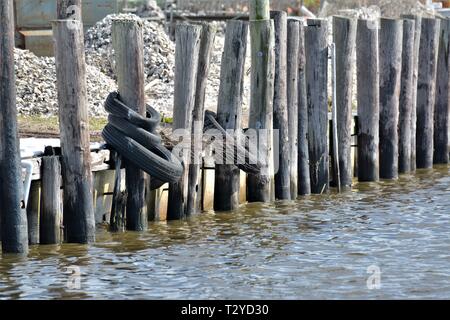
128,46
280,109
261,187
304,180
51,215
79,220
390,50
316,44
426,95
368,100
229,110
442,107
293,46
194,189
14,227
417,36
344,35
406,97
188,40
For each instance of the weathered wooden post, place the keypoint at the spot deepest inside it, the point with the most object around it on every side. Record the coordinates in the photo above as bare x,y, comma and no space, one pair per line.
429,47
33,209
229,110
304,181
390,50
14,233
195,190
316,44
293,44
68,9
262,30
442,108
128,45
344,35
417,36
280,109
368,100
188,40
51,215
406,97
79,220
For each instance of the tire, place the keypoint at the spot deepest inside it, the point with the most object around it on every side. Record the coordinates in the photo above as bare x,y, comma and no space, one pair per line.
157,161
211,123
147,139
117,108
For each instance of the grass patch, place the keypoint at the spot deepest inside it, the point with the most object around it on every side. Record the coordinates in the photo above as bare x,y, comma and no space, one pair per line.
48,127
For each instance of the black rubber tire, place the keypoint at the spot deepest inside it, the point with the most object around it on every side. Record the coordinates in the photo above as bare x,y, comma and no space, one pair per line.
157,161
211,123
115,107
147,139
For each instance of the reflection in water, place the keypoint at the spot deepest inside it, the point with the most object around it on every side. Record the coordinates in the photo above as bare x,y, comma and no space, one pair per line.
316,247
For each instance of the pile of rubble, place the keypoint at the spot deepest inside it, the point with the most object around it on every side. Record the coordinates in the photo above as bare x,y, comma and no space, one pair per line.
159,57
36,86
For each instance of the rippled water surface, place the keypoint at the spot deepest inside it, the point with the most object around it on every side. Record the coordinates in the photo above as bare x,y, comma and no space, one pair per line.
318,247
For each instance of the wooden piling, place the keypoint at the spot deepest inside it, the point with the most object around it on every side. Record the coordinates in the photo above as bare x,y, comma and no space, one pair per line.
344,35
429,47
406,97
14,227
262,30
127,38
79,220
229,110
293,45
316,44
390,50
119,202
33,208
51,215
68,9
188,40
368,100
417,36
280,108
442,107
304,180
194,190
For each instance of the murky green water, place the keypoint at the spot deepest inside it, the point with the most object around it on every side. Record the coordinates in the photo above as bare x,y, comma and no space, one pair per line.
318,247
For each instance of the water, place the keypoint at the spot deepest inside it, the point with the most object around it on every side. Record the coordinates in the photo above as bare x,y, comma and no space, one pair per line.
319,247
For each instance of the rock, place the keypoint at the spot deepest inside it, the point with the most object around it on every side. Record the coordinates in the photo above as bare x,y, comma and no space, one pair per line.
36,86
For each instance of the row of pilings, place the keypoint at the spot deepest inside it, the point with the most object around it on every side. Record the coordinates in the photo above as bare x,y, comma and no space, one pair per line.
401,70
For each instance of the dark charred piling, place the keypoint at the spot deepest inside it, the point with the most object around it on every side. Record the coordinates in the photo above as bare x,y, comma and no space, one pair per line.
304,181
406,97
368,100
51,215
426,95
316,45
344,32
442,107
390,50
